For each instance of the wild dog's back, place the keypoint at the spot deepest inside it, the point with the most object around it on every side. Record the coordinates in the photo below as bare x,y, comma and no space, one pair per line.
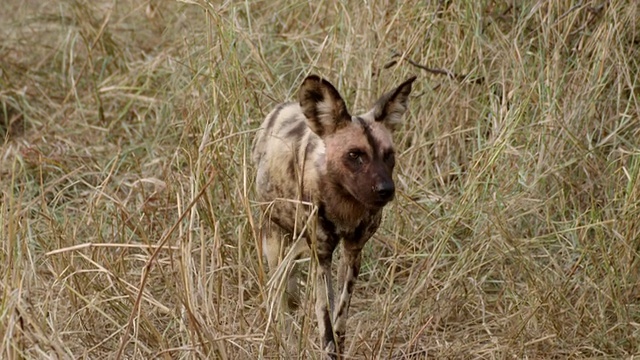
286,153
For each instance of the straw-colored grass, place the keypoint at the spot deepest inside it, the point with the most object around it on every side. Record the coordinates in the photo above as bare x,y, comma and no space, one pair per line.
127,221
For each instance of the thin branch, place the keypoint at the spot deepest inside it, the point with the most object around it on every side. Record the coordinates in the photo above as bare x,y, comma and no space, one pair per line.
435,71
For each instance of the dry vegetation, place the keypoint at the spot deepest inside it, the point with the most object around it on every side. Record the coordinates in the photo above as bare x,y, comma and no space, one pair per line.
126,215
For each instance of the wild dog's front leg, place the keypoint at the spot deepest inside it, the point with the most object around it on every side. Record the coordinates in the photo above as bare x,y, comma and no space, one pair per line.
273,239
347,276
324,298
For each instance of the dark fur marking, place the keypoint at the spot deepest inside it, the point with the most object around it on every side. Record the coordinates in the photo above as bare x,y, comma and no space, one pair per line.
271,121
357,234
372,141
319,130
381,106
286,122
350,284
328,332
291,166
277,221
315,95
356,270
325,223
292,301
297,131
340,335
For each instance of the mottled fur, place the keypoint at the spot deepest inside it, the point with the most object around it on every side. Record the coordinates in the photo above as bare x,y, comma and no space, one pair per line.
313,153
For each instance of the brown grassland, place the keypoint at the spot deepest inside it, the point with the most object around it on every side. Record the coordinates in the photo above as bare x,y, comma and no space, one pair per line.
128,227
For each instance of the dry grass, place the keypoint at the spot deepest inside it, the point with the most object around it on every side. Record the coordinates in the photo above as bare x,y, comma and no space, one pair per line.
126,206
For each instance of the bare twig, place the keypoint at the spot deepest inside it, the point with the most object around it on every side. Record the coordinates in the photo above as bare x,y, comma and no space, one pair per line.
436,71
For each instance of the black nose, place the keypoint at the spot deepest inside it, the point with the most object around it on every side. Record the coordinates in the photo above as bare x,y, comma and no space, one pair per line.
385,190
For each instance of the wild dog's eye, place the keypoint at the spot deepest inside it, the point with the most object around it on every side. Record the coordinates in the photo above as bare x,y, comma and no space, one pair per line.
356,156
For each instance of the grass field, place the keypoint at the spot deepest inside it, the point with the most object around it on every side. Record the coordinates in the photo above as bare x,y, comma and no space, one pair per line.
127,221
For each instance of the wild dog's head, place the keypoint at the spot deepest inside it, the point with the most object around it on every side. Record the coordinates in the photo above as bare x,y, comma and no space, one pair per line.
359,149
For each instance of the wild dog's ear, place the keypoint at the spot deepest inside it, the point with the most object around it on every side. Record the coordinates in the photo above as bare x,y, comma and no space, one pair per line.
392,105
323,106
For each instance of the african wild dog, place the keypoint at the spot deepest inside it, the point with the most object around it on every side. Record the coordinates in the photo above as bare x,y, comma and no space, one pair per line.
313,154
